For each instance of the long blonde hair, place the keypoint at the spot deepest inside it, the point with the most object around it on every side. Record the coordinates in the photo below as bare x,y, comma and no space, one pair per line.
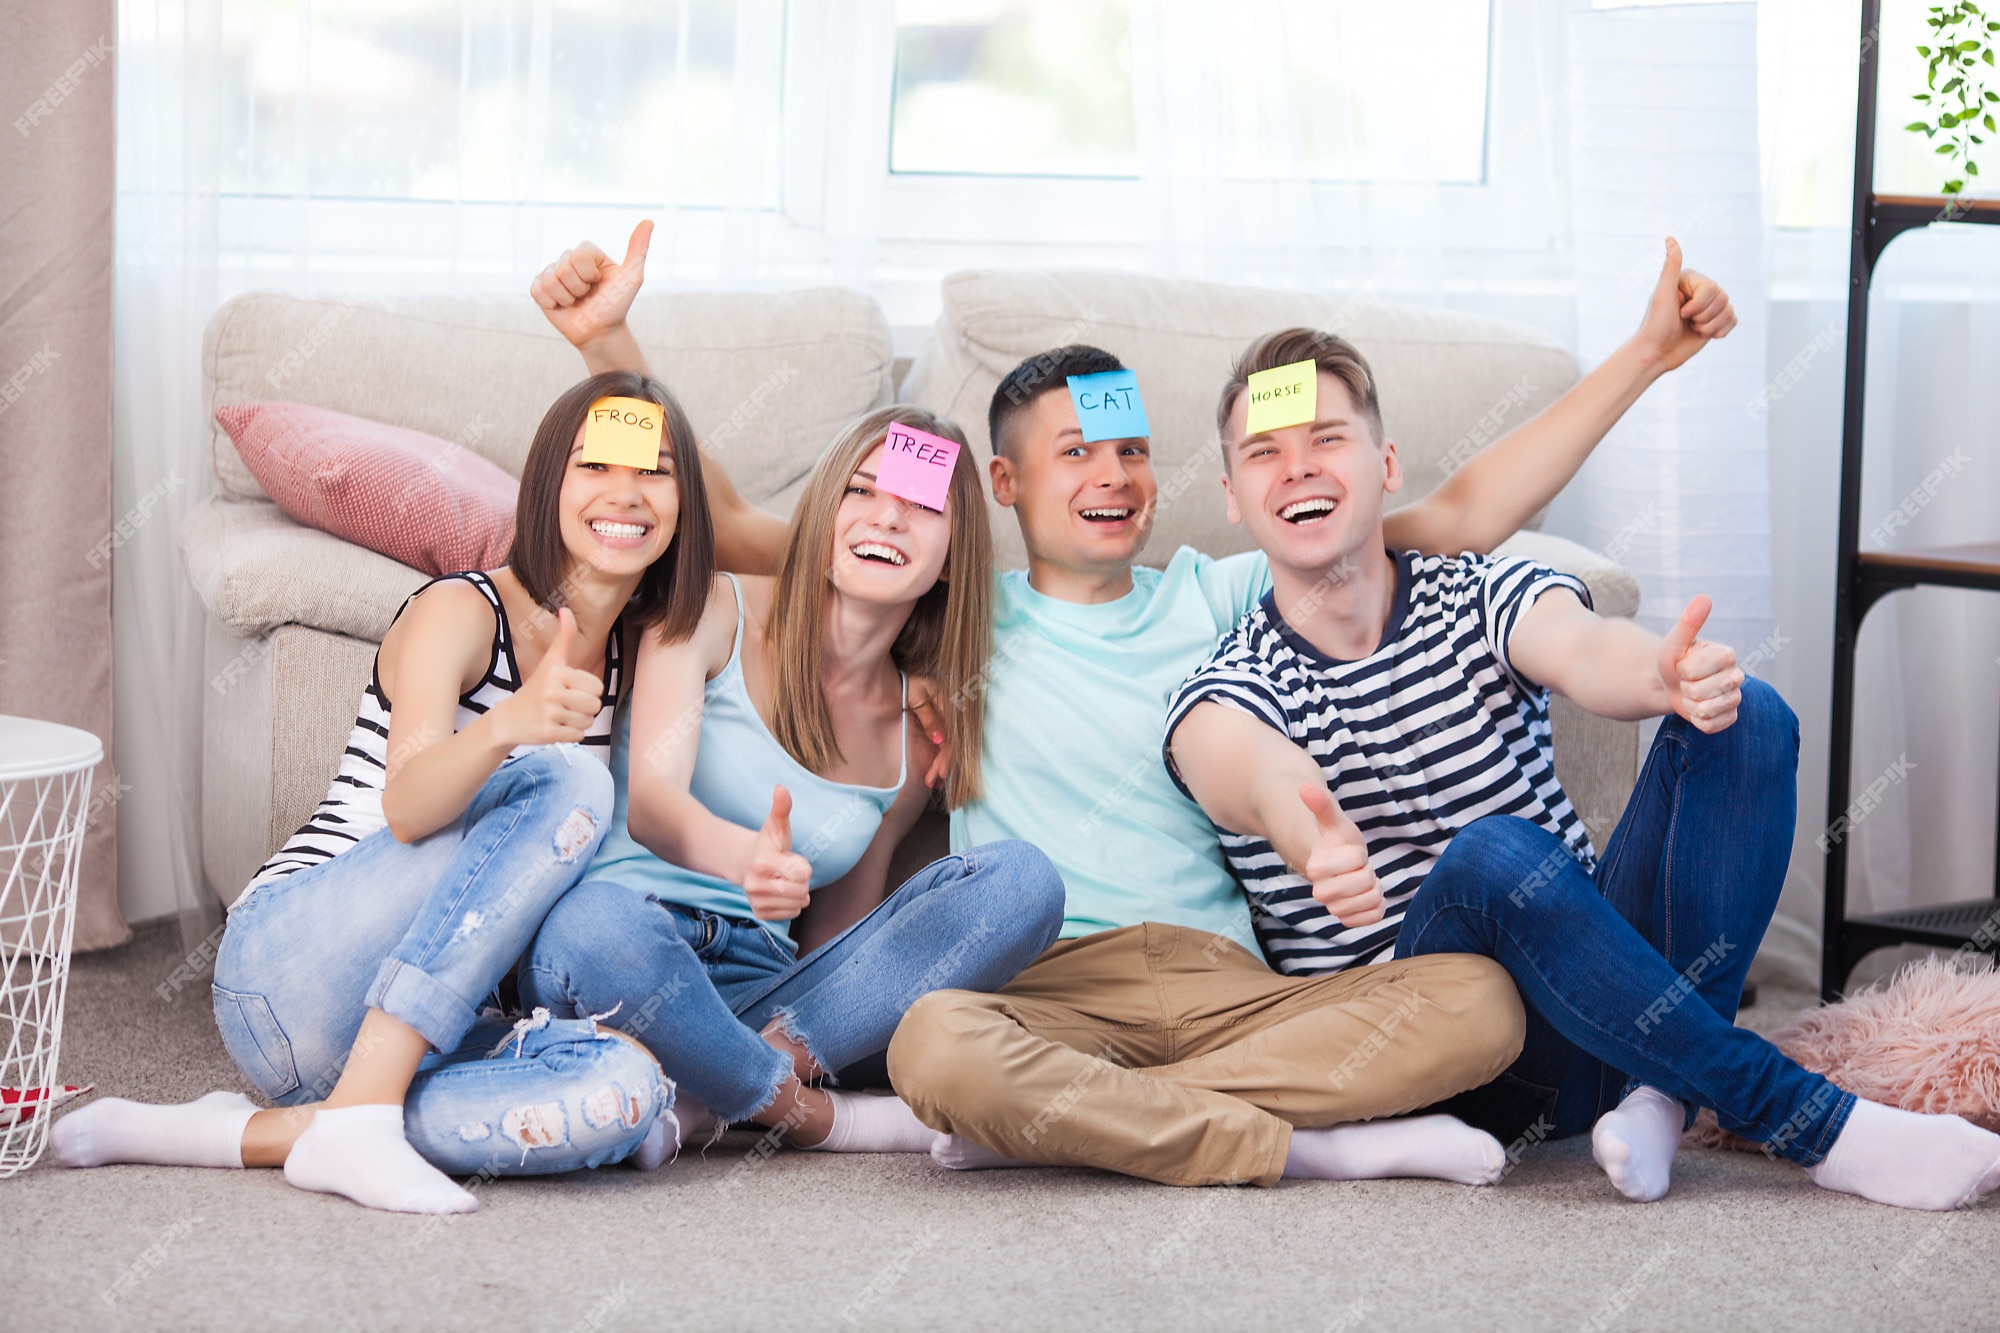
948,637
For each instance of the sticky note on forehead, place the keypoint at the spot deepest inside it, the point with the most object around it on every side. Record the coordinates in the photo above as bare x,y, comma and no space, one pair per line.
623,431
1287,396
916,465
1108,406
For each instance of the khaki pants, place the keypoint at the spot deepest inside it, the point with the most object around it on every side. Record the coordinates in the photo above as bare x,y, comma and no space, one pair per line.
1175,1055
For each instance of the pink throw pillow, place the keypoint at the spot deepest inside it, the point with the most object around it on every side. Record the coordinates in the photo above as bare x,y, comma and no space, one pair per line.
431,504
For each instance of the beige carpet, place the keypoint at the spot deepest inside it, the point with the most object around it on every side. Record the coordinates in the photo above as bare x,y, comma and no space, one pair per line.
733,1241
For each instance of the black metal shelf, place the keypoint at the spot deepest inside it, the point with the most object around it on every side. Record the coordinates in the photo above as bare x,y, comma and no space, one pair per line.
1865,577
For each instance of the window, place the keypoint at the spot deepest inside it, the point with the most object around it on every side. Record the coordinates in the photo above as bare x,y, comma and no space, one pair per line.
581,101
1352,90
1027,87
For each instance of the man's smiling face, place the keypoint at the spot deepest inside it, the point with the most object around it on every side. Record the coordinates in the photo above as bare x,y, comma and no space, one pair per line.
1082,506
1311,495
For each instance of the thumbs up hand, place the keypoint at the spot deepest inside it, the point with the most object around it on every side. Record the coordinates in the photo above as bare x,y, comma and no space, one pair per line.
584,293
1342,879
1704,684
557,702
777,880
1686,311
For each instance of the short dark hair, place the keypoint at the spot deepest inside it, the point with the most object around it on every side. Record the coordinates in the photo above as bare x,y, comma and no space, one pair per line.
1041,373
1335,355
674,589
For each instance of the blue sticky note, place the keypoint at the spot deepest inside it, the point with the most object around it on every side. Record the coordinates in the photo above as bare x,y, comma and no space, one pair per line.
1108,406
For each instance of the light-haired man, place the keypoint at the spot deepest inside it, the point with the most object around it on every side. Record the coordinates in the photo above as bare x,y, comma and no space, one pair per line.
1373,739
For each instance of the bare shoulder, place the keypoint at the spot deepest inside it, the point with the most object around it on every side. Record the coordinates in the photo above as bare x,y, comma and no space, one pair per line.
448,626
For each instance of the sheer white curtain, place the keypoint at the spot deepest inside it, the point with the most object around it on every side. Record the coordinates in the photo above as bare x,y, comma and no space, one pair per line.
1663,123
437,145
165,289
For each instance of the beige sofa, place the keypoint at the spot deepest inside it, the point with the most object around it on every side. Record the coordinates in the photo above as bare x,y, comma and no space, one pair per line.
295,614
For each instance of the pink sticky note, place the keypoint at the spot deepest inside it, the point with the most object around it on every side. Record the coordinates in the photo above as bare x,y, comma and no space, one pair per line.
916,465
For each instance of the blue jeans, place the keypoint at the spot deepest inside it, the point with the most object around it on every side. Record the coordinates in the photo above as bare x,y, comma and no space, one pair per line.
424,931
1634,973
698,988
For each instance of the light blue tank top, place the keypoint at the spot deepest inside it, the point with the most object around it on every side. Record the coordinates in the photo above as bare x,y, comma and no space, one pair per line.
736,765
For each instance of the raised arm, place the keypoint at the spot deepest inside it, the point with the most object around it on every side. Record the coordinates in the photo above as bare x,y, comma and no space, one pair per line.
662,814
586,296
1616,669
1252,779
1490,495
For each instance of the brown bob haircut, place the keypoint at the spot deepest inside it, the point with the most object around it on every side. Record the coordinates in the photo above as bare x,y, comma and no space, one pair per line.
674,589
949,634
1335,355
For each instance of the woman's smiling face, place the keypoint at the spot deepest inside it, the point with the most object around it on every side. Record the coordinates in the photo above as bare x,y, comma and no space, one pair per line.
618,520
885,549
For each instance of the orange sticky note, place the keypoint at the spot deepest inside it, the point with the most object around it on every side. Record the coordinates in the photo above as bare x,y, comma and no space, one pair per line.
1287,396
624,431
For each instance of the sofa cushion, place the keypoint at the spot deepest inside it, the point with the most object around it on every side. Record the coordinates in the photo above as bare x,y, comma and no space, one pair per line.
767,379
256,569
1449,381
398,492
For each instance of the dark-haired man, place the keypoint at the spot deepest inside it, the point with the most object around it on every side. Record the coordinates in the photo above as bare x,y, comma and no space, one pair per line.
1374,739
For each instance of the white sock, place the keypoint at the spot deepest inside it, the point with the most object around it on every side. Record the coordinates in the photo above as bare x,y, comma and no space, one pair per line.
1438,1147
1635,1143
360,1152
1910,1160
661,1145
863,1122
205,1132
964,1155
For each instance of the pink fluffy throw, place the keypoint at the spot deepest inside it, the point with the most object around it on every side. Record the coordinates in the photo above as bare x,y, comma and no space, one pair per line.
1927,1039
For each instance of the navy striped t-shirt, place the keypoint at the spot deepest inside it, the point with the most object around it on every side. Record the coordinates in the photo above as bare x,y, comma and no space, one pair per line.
1431,731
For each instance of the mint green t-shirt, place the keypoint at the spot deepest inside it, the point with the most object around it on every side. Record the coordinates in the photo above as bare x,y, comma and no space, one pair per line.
1076,709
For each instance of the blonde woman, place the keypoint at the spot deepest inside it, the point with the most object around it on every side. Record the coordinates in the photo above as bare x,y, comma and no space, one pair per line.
773,758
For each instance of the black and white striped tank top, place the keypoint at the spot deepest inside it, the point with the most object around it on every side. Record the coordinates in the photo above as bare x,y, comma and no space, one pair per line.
353,806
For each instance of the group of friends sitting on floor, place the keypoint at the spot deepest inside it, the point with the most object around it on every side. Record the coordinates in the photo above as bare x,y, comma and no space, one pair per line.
1259,866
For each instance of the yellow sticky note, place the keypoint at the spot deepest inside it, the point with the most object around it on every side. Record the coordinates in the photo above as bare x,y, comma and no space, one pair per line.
624,431
1287,396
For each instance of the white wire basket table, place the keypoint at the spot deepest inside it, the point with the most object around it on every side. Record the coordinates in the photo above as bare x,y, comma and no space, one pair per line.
44,794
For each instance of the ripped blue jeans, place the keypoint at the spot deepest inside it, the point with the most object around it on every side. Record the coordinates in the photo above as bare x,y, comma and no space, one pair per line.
424,931
698,988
